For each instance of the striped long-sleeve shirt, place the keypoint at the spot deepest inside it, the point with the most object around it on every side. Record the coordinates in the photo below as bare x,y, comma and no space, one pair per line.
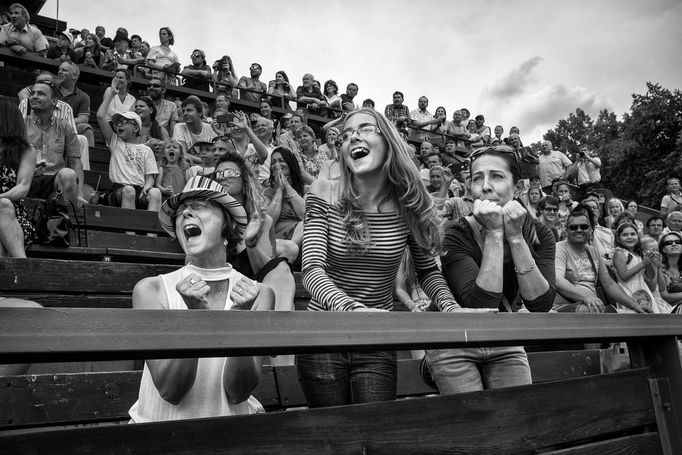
340,281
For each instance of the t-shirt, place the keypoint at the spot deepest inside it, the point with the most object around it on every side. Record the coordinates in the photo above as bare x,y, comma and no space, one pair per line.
577,267
252,84
130,163
187,139
79,102
552,166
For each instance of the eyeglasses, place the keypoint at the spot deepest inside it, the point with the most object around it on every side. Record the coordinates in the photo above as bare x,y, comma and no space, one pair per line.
575,227
226,174
155,86
503,149
255,67
194,205
550,209
126,121
366,129
671,242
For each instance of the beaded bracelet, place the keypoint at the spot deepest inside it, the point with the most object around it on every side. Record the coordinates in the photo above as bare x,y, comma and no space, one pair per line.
525,272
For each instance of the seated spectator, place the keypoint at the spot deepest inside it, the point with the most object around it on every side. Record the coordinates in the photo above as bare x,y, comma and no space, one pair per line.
576,266
286,205
563,195
78,100
105,42
312,157
632,207
119,57
331,95
62,50
482,130
673,222
225,76
531,201
281,90
548,209
222,105
162,58
123,101
20,36
439,188
52,132
90,54
494,259
17,165
654,227
614,207
397,111
132,168
329,147
669,281
166,110
171,389
171,178
207,166
456,207
193,129
199,73
263,130
247,143
287,139
602,237
635,270
256,89
151,134
266,113
309,96
347,98
673,200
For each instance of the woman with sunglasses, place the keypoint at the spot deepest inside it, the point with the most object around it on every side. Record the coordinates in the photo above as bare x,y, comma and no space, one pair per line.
499,258
669,280
198,73
355,233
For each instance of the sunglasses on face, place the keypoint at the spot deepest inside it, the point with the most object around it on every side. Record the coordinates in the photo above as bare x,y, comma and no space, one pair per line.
671,242
550,209
195,55
582,227
227,173
154,86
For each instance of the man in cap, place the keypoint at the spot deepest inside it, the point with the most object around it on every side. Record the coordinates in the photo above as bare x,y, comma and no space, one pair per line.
20,36
482,129
254,84
120,56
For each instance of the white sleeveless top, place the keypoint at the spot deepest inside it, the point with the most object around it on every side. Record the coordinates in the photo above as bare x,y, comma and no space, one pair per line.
207,397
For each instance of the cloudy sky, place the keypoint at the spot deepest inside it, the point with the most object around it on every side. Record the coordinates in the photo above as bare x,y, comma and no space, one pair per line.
519,62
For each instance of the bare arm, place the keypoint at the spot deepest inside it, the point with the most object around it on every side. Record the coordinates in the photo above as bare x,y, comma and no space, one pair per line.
620,263
104,127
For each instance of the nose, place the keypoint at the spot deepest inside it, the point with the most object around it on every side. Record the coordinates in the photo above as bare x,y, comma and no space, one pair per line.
486,186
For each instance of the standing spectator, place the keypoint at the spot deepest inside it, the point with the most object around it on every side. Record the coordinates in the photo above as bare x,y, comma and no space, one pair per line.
193,130
673,200
419,119
17,165
654,227
199,72
281,90
263,129
166,111
53,134
347,98
482,130
494,259
162,58
465,115
439,129
498,133
331,95
62,50
123,101
105,42
256,88
458,131
90,54
266,112
247,143
119,56
553,165
588,170
132,168
397,111
356,232
308,95
20,36
225,76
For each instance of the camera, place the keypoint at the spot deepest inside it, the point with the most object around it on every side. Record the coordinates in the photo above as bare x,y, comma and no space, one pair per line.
225,118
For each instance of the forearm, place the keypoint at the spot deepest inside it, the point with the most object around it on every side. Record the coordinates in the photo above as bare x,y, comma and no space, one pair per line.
296,201
173,378
275,206
17,192
240,376
261,150
568,290
532,284
490,274
77,165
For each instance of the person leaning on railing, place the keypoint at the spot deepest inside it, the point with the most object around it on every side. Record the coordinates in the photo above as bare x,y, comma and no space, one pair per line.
199,72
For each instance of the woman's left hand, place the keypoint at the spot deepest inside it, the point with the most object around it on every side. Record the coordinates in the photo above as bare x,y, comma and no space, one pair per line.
514,214
244,294
239,120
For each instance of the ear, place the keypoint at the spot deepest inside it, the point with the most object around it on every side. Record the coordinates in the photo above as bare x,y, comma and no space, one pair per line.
518,188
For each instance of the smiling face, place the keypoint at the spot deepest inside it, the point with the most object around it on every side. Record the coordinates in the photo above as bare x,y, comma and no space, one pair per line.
673,186
305,140
498,131
440,112
231,178
628,238
265,110
614,208
199,226
365,151
549,213
578,230
491,179
121,80
436,177
41,98
190,114
671,245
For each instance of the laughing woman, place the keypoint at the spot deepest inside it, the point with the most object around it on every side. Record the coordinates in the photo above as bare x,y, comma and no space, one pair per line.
204,219
357,235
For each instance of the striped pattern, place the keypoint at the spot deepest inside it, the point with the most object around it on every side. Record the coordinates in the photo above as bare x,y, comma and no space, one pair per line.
338,281
202,188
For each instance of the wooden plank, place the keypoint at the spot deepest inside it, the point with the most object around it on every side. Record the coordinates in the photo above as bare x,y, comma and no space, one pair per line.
93,178
73,277
76,300
519,420
57,399
157,257
132,242
667,417
554,365
639,444
101,217
51,335
72,252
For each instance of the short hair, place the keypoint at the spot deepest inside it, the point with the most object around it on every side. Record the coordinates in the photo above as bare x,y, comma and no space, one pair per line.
299,115
369,102
652,219
305,129
581,210
352,84
266,101
171,39
53,88
162,80
549,199
194,101
420,98
73,66
136,36
480,116
667,218
22,8
399,93
267,121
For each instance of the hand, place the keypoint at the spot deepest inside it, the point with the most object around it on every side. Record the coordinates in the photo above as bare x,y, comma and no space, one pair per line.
489,214
240,120
514,214
244,294
18,49
80,200
144,192
194,292
254,229
114,86
650,257
447,178
594,304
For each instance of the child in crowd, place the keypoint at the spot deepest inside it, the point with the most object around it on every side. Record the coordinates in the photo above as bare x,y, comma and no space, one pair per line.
635,268
171,179
207,165
132,167
649,244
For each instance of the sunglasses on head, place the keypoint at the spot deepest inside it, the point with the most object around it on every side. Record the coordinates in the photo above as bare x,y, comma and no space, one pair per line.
575,227
502,149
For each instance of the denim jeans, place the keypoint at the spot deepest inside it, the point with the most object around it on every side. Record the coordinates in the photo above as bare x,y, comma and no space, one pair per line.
334,379
471,369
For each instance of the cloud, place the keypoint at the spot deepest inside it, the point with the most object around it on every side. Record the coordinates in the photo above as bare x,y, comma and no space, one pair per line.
515,82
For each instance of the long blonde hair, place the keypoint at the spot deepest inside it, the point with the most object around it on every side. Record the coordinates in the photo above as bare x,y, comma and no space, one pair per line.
404,187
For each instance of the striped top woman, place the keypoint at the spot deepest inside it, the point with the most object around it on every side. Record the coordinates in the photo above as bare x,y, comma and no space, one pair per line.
355,233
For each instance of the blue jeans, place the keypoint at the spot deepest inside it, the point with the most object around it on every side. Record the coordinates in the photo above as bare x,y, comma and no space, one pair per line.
334,379
471,369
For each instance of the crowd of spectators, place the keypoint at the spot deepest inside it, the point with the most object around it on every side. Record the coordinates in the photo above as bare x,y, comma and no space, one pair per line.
347,198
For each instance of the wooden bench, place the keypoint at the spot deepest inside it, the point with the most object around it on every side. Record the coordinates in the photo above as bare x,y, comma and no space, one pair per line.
634,411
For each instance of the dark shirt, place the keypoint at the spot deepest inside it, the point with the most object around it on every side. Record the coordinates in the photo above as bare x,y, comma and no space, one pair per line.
347,99
463,259
106,42
197,82
55,53
79,102
313,93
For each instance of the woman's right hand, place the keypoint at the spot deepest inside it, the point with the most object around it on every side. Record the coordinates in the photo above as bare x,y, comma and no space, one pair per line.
489,215
194,292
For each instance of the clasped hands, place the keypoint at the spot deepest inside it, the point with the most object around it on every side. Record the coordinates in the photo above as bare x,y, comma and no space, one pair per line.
495,217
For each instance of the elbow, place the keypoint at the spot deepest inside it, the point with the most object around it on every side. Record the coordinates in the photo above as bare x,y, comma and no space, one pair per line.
237,398
173,395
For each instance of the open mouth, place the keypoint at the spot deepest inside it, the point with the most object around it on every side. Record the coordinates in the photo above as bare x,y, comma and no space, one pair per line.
191,230
359,152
